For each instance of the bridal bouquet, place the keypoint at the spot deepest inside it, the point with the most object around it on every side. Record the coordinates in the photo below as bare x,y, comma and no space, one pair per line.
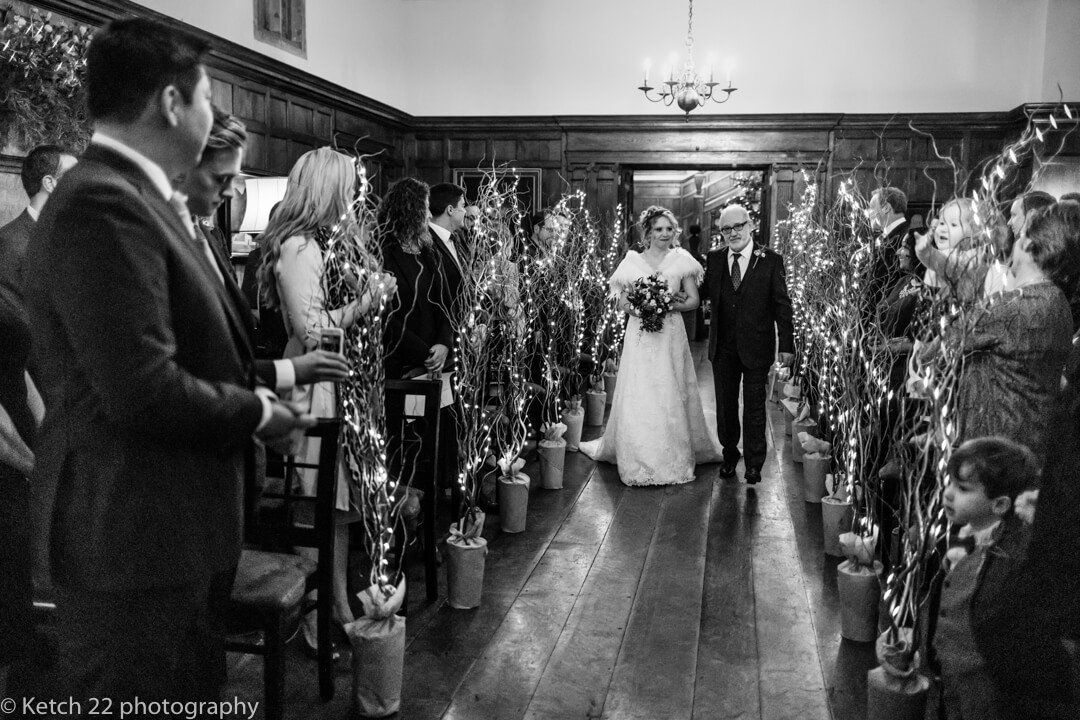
652,299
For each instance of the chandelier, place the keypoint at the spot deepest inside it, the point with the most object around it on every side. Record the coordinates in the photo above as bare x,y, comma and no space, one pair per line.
686,89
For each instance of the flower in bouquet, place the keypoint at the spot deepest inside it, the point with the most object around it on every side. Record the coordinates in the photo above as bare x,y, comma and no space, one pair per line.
652,299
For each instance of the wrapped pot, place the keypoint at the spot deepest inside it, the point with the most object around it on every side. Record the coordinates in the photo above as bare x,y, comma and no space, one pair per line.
465,551
896,690
595,400
378,658
860,591
806,426
815,468
552,453
513,490
573,416
609,385
837,514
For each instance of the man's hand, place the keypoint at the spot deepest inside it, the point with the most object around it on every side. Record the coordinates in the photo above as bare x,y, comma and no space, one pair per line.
283,431
436,357
787,359
319,366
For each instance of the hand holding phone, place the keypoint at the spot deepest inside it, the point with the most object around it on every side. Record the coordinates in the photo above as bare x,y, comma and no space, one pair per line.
332,339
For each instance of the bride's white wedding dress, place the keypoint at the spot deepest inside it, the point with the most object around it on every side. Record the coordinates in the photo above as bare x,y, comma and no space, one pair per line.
656,432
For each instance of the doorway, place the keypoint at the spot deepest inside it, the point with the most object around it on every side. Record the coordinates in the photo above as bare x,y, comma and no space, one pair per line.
697,196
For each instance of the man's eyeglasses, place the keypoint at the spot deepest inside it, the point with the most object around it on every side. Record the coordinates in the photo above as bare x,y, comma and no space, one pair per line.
727,229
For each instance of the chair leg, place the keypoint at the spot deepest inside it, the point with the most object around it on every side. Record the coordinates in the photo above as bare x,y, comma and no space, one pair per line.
274,668
430,559
325,605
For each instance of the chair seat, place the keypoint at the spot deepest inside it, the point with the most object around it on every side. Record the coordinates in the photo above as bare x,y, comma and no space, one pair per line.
270,581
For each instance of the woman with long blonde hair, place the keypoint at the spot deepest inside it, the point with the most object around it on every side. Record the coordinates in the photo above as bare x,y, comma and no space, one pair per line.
316,206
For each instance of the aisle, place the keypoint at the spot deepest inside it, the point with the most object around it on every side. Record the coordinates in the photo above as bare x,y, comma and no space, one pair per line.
702,601
647,603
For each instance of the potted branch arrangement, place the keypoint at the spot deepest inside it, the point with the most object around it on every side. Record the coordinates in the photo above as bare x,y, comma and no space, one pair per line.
595,401
352,269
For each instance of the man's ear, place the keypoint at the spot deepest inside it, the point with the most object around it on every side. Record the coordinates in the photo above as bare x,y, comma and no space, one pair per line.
1000,505
169,101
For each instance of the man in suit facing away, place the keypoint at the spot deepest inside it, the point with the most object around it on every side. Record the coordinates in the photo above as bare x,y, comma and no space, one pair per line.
150,403
41,170
750,307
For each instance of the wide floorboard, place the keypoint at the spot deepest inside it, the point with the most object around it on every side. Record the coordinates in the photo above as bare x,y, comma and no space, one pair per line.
709,600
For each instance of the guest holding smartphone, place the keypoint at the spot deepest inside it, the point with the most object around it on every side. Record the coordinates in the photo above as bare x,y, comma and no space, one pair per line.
317,201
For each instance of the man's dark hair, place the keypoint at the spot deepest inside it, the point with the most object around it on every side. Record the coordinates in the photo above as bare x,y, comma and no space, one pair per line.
695,229
896,198
227,133
1032,201
42,160
443,195
1000,465
132,60
1071,197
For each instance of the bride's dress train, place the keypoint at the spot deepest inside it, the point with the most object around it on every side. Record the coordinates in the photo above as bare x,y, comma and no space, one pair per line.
656,432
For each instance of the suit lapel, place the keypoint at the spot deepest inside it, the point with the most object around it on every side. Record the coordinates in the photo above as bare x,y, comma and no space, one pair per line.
754,258
236,306
444,250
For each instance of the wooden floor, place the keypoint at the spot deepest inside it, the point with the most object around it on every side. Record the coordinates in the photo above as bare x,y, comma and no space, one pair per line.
708,600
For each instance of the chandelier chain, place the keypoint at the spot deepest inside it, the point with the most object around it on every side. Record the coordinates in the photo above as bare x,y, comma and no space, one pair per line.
690,26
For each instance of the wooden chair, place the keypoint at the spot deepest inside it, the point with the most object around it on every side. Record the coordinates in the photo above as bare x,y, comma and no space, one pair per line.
270,586
412,423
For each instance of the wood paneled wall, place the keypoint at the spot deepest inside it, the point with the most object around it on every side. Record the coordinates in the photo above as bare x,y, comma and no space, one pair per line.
599,154
288,111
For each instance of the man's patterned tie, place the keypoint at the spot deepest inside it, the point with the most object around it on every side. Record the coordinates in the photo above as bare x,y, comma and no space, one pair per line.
736,272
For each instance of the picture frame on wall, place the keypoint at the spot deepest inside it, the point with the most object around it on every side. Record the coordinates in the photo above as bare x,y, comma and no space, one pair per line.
528,185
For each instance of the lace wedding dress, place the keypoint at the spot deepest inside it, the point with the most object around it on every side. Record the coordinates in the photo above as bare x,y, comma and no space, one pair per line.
656,432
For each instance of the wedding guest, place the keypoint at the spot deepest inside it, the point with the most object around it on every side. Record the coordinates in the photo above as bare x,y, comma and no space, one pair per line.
419,333
1021,641
41,171
985,476
18,424
446,202
886,211
751,317
150,406
956,262
897,312
1016,343
316,204
206,187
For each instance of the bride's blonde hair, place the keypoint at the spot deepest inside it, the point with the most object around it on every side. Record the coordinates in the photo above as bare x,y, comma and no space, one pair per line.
649,215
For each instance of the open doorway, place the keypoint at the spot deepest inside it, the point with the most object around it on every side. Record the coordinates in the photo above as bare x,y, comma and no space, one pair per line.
697,196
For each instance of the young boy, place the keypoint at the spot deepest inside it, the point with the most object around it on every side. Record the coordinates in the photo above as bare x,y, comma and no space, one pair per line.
985,477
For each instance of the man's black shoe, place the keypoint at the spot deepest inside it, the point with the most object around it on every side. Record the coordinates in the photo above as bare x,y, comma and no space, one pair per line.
753,477
727,470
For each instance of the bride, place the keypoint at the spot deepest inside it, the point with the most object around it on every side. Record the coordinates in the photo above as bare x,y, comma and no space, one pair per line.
656,432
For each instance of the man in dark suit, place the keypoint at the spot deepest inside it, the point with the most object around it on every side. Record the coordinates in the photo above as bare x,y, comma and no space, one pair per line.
447,204
149,401
206,187
41,170
750,307
886,213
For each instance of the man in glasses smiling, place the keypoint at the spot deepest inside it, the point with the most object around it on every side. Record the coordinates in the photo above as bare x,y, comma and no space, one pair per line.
746,286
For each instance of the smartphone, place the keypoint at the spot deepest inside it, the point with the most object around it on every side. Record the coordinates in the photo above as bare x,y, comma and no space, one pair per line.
332,339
